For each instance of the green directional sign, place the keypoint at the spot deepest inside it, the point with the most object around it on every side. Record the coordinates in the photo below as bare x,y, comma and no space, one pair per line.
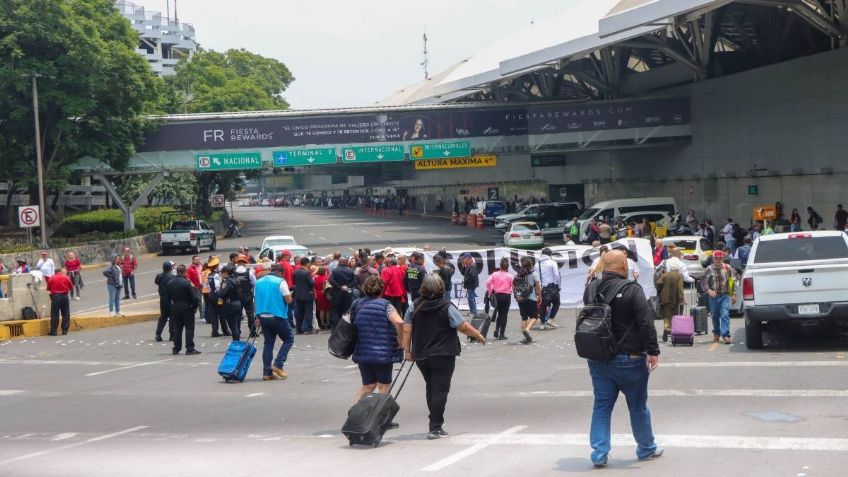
381,153
305,157
440,150
228,161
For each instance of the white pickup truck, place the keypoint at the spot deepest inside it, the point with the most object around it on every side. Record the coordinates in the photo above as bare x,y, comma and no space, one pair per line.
187,235
797,278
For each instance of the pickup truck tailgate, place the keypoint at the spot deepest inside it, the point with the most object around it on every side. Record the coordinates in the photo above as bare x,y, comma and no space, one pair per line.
801,283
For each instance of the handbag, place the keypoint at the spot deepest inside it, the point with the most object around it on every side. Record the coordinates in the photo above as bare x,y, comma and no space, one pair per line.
342,340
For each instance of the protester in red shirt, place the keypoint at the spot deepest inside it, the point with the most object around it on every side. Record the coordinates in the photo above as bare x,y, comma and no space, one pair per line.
285,262
393,290
59,285
73,267
193,272
129,264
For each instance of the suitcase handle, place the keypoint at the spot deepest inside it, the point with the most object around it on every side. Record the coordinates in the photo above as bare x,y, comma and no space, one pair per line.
397,378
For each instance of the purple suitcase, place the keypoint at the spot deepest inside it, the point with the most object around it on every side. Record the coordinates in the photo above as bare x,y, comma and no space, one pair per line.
682,330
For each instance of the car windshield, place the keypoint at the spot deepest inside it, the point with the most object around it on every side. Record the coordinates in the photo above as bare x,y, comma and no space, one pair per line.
524,228
588,214
272,242
183,225
801,249
684,244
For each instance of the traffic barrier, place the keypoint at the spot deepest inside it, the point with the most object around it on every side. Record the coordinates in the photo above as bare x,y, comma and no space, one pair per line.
455,218
472,221
480,222
463,219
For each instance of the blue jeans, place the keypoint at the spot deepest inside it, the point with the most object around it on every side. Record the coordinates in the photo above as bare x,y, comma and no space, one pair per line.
129,284
114,298
472,300
720,310
630,377
271,329
731,244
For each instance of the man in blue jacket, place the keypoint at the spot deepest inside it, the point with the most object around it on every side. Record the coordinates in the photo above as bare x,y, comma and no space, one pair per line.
272,298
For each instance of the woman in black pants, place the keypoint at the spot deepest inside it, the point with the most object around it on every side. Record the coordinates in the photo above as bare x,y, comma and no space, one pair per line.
500,284
429,338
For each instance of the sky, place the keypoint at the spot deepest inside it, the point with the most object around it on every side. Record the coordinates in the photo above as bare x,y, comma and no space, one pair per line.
344,53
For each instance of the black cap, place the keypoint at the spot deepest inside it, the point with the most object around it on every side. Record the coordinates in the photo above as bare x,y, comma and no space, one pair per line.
167,266
277,268
229,269
547,251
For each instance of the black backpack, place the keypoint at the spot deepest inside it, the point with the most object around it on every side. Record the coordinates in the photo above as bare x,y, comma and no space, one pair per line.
522,288
593,337
738,234
28,313
243,287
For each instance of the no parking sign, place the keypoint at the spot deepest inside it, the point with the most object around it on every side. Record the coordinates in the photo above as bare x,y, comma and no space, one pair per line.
29,216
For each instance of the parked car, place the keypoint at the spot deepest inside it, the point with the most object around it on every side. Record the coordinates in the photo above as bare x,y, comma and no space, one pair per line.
490,209
273,252
277,240
188,236
620,207
551,217
696,252
524,235
796,278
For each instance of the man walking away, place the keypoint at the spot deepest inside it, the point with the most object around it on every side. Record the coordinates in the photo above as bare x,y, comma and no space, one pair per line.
161,281
245,277
304,293
59,285
414,277
129,264
470,281
841,218
393,290
626,373
184,300
272,300
551,283
343,281
445,270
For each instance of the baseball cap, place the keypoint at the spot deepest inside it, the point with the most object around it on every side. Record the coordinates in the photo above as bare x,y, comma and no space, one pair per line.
242,258
285,252
718,254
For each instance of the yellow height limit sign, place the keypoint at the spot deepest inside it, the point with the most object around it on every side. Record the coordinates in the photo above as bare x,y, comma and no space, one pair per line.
456,162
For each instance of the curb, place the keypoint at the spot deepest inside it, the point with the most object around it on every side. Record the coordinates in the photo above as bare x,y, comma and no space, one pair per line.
19,329
103,264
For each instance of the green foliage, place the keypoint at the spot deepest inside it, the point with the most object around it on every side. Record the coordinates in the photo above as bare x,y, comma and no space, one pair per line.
106,222
180,189
93,92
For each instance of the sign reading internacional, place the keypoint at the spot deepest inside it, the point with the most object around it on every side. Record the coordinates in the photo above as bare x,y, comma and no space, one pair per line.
305,157
456,162
440,150
384,153
223,161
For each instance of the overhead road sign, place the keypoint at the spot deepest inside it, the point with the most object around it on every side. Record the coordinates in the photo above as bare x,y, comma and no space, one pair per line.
382,153
305,157
222,161
440,150
29,216
457,162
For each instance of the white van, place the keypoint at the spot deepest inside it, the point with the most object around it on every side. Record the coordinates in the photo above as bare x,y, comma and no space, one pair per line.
615,208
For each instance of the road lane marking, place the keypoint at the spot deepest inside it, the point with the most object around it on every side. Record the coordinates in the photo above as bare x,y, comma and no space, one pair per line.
62,437
793,393
477,447
254,394
10,392
729,364
71,446
137,365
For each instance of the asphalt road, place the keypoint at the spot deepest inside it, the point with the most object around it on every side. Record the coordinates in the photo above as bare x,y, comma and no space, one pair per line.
114,402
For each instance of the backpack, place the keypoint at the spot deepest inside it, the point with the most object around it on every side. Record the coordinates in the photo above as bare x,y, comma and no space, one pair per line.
659,272
738,233
522,288
593,337
28,313
243,287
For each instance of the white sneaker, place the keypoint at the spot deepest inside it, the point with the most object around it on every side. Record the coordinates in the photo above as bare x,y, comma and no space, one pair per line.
551,324
541,327
76,298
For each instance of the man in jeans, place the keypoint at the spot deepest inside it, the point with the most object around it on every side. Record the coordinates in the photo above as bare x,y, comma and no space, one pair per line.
128,266
470,281
627,373
272,299
717,282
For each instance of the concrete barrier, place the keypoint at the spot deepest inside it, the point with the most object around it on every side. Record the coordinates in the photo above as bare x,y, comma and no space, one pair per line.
94,252
19,329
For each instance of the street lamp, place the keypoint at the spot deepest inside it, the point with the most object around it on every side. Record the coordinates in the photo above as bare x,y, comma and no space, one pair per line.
41,202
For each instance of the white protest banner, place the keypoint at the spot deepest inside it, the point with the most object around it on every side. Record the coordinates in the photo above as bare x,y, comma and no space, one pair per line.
574,262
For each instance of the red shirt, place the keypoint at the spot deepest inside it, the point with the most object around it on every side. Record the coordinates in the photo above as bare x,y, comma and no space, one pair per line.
72,265
287,273
59,284
193,275
128,265
393,281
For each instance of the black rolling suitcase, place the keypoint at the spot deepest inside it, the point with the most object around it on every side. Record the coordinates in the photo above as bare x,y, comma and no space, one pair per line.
481,323
367,419
701,316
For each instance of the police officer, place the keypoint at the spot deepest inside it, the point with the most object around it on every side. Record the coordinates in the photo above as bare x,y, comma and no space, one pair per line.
230,301
162,280
246,279
184,301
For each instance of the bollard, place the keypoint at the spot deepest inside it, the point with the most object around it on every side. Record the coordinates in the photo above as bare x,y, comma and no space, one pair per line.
463,219
480,222
472,221
455,218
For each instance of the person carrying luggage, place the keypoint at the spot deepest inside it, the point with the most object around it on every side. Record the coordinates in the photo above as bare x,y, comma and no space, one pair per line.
499,284
379,328
184,300
635,356
430,339
230,302
245,278
272,301
670,288
343,281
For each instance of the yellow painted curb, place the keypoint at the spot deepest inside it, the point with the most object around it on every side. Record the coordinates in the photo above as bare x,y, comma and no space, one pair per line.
17,329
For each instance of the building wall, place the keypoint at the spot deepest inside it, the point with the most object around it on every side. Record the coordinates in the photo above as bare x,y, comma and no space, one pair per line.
783,128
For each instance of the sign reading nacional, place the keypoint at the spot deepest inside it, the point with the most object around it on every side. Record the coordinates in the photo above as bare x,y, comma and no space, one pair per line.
228,161
456,162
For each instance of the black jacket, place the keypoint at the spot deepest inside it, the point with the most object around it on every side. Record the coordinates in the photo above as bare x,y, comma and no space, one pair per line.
470,280
182,295
162,280
304,285
446,273
343,276
630,308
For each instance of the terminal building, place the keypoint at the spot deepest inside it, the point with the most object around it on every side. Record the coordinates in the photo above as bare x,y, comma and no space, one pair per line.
724,105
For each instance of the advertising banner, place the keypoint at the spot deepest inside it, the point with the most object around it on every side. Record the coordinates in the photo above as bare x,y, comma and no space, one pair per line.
574,263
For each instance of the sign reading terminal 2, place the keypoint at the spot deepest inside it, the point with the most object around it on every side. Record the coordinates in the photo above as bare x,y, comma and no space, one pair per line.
228,161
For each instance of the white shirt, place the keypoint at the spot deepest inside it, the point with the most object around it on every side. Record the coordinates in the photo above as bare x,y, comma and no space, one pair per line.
727,232
631,270
46,267
250,273
549,271
570,242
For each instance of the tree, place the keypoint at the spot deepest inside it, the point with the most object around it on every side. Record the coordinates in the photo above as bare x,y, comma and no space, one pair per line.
236,80
94,92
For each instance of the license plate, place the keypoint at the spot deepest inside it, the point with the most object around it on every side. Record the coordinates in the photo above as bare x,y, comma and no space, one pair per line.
525,237
808,309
